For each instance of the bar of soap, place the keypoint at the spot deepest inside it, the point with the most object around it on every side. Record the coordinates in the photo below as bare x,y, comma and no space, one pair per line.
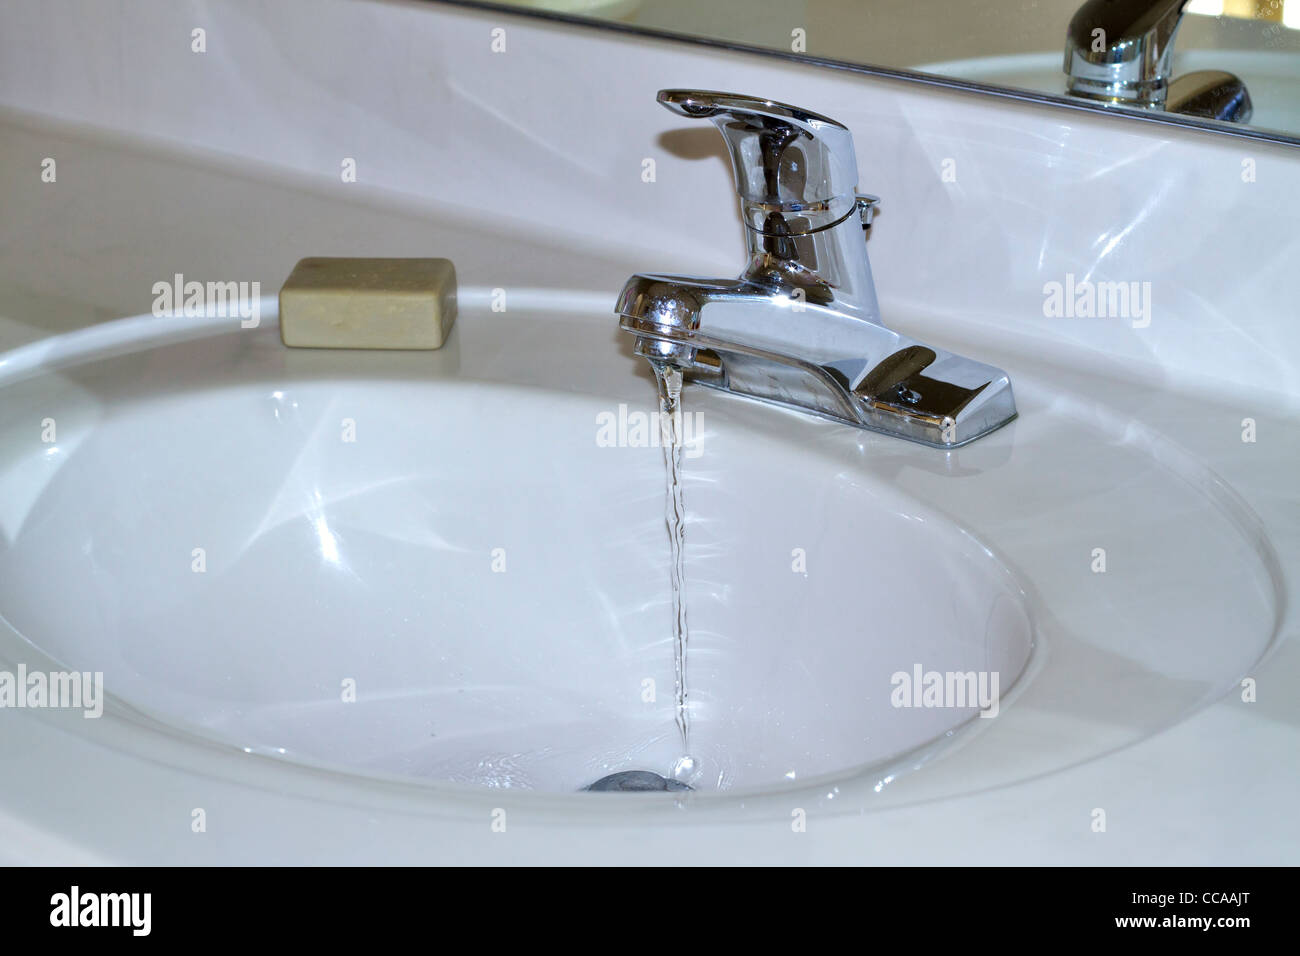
329,303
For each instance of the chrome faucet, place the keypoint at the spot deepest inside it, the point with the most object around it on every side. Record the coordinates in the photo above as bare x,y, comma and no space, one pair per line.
1121,52
801,326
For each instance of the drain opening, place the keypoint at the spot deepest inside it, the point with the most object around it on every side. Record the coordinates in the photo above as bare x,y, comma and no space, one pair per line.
635,781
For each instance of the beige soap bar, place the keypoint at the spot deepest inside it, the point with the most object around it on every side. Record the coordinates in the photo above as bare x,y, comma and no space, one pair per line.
331,303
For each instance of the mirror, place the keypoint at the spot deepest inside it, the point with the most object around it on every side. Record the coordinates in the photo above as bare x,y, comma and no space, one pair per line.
1231,65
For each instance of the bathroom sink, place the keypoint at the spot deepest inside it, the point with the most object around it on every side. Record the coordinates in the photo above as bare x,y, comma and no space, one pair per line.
1271,77
452,567
423,645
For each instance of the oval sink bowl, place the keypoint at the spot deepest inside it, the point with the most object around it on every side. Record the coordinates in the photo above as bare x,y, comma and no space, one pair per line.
451,568
375,562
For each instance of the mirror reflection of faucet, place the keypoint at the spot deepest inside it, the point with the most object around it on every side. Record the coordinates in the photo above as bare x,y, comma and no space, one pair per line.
1121,52
801,325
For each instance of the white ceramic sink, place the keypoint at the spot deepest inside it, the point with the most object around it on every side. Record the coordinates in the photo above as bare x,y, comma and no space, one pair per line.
492,577
1272,78
375,561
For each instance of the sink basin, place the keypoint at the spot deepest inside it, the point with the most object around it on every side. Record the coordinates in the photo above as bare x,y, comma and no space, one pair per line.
1271,77
490,578
431,566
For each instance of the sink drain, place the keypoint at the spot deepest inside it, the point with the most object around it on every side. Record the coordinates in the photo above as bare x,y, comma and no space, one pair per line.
636,781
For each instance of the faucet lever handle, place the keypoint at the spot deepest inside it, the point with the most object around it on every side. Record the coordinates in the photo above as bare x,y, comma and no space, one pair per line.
785,159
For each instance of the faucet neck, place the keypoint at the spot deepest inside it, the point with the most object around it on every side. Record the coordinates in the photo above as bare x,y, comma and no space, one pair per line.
814,257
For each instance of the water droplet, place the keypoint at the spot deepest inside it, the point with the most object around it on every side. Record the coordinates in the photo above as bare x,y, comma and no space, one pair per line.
685,769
